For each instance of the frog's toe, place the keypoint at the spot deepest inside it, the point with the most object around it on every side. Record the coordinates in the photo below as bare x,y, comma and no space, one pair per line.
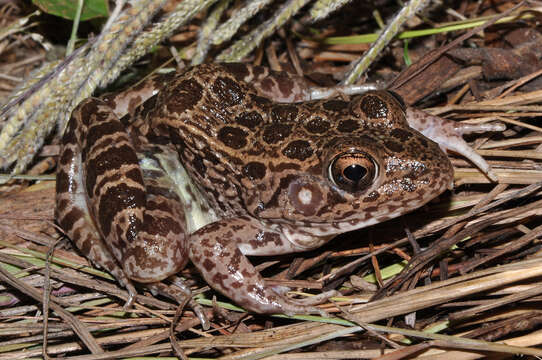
132,294
307,305
319,299
179,292
466,128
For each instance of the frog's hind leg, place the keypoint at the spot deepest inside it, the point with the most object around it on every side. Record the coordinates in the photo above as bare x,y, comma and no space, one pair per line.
138,215
215,251
72,212
134,217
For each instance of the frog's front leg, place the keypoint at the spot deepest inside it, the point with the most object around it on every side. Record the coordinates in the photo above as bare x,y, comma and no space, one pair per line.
217,251
448,134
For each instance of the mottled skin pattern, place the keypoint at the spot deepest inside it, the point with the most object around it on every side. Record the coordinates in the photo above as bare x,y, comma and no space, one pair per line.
262,175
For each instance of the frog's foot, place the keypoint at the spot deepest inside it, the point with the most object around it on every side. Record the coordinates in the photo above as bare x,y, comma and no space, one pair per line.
214,250
119,274
448,134
179,292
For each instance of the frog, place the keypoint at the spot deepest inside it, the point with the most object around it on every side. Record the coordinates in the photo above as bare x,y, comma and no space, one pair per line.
218,162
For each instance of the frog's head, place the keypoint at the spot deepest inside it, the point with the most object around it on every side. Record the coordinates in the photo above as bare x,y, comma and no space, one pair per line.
378,170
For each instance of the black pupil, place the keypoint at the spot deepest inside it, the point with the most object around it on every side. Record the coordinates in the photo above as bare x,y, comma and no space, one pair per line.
355,172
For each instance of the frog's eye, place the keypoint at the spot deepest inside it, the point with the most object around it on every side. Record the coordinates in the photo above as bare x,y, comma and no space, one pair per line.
353,171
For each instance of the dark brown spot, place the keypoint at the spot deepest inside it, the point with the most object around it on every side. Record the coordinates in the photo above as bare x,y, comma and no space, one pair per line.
250,119
66,157
134,174
71,218
272,237
374,107
208,265
259,100
401,134
284,113
335,105
394,146
209,229
117,199
184,96
228,91
317,125
285,83
235,261
263,239
281,166
392,208
161,225
89,107
372,196
61,205
283,184
240,71
334,198
298,149
97,131
63,182
86,245
254,170
198,165
423,141
258,70
371,209
267,84
218,280
147,107
233,137
348,126
111,159
134,103
273,133
258,294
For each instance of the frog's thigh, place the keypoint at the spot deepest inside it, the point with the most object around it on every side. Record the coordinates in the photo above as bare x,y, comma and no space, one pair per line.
214,251
71,210
139,217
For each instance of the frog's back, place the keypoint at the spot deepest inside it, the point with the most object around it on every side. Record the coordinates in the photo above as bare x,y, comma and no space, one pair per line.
252,155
